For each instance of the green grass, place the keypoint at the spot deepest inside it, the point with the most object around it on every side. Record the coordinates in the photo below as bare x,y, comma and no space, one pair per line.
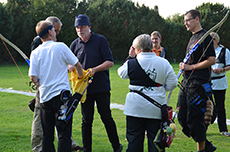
16,118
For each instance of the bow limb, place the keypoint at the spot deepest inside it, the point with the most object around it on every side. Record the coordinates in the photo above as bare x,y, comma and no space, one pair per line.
16,48
218,25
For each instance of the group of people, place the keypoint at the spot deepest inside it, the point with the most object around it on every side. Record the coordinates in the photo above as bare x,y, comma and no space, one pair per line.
206,66
149,72
50,62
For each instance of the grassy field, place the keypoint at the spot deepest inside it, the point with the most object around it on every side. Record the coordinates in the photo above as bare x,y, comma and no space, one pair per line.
16,118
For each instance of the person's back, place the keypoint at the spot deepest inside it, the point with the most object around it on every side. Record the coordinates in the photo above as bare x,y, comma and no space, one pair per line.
51,58
48,71
149,75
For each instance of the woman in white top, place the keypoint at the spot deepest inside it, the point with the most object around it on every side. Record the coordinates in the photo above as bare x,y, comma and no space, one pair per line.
141,114
219,82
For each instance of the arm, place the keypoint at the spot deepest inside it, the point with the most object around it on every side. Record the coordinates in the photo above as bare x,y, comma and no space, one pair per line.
79,69
219,70
227,67
171,79
123,71
206,63
102,67
35,80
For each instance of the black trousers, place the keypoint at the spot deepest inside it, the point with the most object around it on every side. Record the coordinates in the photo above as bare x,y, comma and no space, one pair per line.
49,117
136,128
103,106
191,120
219,96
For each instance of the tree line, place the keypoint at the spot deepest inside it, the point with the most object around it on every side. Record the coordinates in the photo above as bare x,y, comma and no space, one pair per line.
120,21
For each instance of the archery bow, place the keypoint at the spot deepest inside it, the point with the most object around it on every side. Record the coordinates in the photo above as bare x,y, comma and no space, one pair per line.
17,49
218,25
20,52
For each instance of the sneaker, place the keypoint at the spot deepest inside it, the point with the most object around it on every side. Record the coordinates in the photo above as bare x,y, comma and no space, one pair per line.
77,148
209,147
225,133
120,149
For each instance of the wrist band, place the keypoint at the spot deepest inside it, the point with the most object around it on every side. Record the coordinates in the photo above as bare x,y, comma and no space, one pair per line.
193,67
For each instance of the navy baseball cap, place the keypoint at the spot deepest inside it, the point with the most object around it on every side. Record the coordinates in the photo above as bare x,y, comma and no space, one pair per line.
81,19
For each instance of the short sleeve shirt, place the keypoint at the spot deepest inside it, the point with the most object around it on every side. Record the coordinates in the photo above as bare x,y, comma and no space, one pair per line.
91,54
204,51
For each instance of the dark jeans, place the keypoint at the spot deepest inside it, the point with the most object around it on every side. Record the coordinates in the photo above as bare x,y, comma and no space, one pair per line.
49,117
219,96
103,106
136,128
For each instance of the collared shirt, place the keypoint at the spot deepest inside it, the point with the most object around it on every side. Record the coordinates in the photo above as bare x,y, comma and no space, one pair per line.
91,54
157,51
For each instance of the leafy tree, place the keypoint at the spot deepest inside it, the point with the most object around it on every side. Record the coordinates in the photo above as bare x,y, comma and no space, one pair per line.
21,36
120,21
212,14
64,10
175,38
6,29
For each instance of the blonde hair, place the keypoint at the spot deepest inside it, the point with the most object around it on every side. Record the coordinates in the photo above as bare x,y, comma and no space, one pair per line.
214,35
41,26
156,33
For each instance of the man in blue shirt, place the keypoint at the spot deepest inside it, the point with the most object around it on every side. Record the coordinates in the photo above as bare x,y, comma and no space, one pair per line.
93,52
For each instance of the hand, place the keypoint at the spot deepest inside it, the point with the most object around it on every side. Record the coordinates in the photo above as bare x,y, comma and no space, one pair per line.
91,72
218,70
71,68
132,52
186,67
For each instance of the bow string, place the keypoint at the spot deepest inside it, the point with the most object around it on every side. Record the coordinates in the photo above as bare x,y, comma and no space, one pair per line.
217,26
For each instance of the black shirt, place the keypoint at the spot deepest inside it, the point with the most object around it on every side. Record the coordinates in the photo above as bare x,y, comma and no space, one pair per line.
204,51
91,54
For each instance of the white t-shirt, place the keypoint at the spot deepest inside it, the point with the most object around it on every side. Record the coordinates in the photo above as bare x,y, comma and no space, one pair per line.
220,84
162,72
49,62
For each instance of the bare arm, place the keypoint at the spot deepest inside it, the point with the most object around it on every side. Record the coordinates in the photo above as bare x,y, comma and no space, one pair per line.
219,70
102,67
204,64
35,80
79,69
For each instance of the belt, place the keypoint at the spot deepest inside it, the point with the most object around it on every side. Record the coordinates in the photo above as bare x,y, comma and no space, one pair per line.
213,78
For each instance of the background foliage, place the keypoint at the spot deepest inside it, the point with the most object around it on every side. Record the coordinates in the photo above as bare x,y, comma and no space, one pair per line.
120,21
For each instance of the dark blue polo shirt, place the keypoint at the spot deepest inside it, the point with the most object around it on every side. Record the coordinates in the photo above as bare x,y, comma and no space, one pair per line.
91,54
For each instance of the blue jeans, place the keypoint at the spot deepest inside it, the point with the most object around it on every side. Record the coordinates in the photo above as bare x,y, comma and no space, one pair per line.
136,128
103,106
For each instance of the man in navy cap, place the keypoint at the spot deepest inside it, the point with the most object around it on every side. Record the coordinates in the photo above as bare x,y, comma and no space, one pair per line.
93,52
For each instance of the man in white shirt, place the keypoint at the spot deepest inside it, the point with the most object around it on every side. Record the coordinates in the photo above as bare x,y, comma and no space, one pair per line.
48,71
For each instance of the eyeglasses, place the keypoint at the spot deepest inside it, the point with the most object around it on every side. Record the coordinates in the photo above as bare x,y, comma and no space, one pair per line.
189,19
